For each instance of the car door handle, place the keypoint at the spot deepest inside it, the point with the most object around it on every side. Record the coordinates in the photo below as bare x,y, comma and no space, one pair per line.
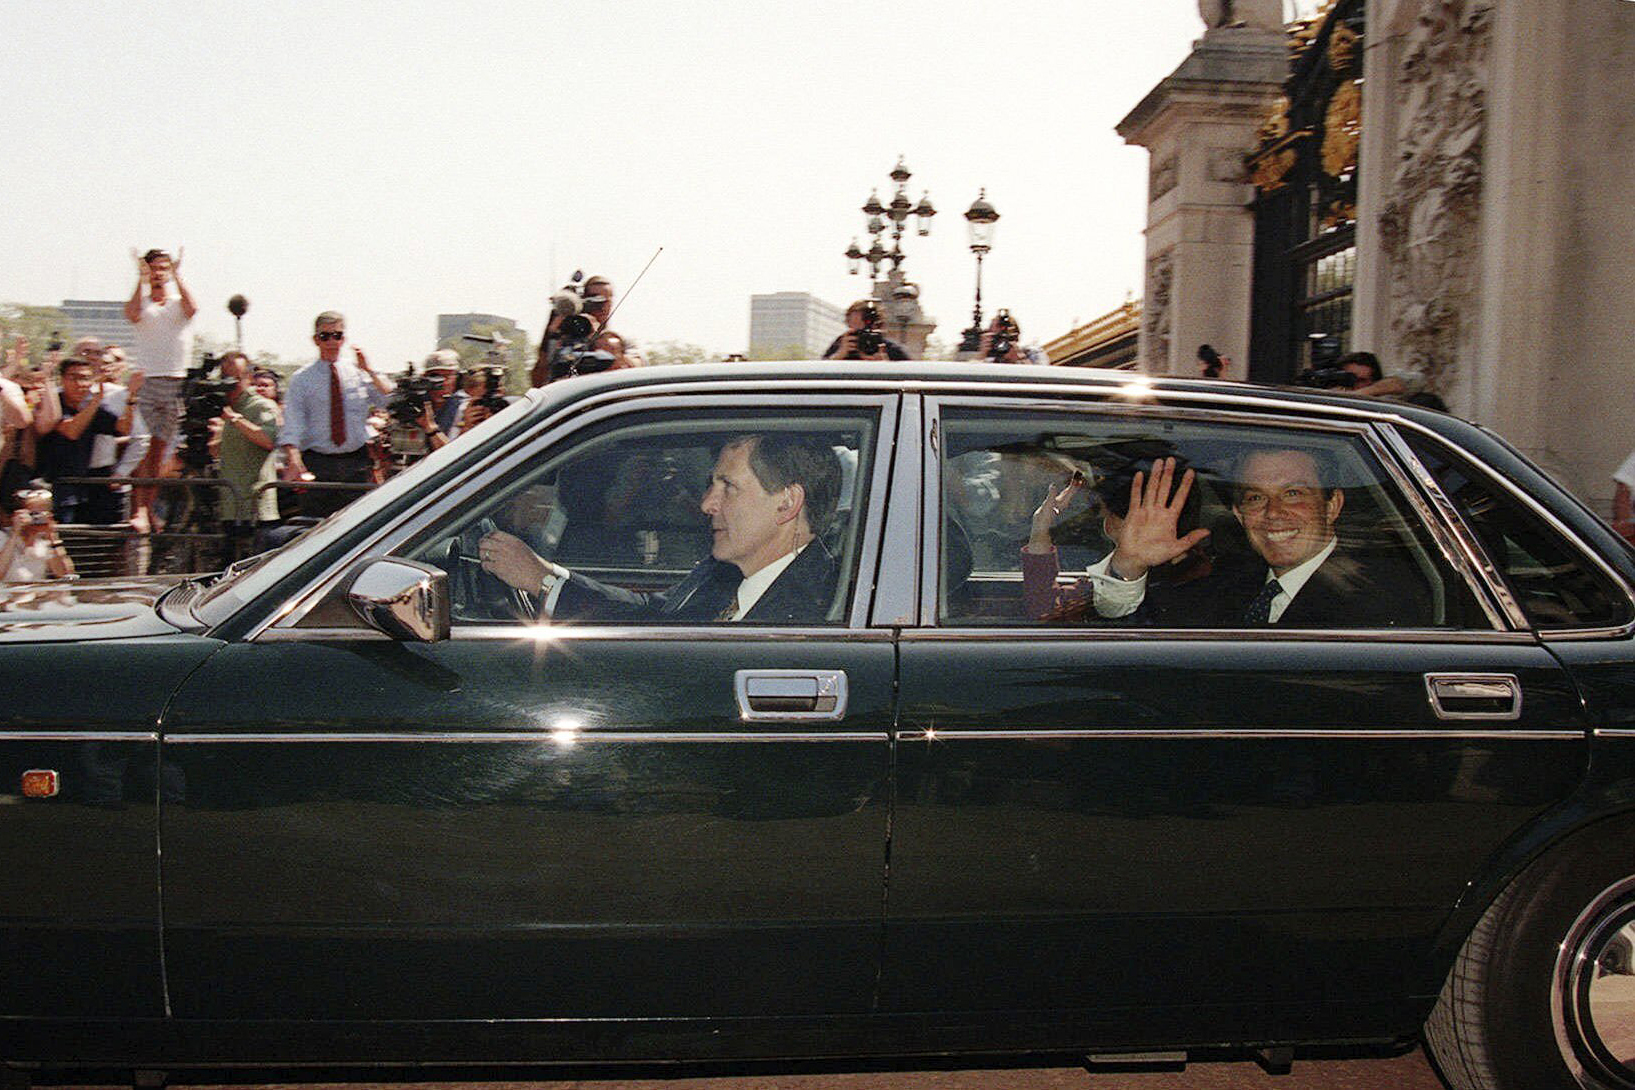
1474,696
765,695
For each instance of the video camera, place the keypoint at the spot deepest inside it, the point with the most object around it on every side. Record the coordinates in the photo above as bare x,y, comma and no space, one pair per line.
1005,335
408,402
203,399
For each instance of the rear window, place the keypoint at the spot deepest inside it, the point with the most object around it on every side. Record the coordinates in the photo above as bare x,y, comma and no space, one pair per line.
1556,585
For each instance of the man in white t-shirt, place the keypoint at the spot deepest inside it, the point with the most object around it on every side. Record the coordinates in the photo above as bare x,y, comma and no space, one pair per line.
159,344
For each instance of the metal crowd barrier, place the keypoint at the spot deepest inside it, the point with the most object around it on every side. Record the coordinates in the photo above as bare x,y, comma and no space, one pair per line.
194,539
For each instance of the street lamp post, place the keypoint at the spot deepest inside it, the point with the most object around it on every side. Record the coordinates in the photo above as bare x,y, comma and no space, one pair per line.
898,213
980,220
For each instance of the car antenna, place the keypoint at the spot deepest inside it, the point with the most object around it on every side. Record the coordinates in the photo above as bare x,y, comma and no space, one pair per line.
608,324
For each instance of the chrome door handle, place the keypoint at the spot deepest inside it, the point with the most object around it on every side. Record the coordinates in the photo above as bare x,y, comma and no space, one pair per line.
1474,696
771,695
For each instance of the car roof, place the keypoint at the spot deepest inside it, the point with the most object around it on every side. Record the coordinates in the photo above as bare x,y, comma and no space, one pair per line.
919,374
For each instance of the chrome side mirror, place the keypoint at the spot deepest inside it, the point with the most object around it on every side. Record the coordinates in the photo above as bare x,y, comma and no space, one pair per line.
403,599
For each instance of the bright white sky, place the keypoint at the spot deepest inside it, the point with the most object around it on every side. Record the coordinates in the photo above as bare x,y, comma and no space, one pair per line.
397,160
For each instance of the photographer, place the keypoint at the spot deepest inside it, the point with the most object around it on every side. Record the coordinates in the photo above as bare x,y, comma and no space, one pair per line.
1002,342
33,550
863,339
577,315
66,425
245,436
442,417
485,386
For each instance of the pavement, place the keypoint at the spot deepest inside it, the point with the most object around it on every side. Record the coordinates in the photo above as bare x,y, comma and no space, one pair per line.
1408,1072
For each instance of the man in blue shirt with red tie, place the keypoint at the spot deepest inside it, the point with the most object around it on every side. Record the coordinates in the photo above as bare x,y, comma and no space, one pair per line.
325,434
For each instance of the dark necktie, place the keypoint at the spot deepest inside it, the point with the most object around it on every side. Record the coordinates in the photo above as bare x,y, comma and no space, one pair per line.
337,408
1260,610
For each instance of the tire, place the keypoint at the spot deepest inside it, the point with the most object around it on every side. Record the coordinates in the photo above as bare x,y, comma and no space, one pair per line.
1527,1005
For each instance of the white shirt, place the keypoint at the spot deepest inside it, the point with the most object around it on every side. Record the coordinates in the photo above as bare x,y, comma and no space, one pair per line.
30,563
753,586
159,339
105,448
1296,577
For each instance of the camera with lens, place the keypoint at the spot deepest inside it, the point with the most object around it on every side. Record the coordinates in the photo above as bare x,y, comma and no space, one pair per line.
203,399
1323,374
1326,378
1005,335
869,339
408,402
493,397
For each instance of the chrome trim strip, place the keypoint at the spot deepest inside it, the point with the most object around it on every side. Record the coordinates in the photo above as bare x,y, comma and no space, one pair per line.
896,590
1556,524
966,735
530,443
79,736
1098,634
1477,559
869,541
742,633
1456,550
1615,732
560,738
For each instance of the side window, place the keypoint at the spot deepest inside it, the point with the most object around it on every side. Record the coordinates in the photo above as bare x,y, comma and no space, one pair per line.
668,518
1555,585
1034,507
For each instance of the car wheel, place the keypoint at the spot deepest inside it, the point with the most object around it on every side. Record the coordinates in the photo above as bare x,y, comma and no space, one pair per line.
1529,1004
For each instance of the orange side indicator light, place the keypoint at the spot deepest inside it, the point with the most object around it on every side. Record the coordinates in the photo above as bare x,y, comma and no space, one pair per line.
39,783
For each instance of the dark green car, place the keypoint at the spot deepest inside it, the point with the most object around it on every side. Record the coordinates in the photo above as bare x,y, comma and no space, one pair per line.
377,799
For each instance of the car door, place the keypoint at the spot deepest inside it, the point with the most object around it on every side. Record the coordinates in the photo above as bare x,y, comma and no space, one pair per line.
82,779
1249,828
642,817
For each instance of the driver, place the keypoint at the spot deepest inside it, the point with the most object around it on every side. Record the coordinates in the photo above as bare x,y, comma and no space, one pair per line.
771,496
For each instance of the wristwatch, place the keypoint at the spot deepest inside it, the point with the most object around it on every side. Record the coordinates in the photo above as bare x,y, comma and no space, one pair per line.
547,583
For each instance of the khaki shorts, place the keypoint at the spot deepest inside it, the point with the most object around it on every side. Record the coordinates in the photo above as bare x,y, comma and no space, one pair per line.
159,400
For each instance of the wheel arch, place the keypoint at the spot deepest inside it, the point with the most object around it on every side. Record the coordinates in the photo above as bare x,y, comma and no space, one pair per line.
1597,811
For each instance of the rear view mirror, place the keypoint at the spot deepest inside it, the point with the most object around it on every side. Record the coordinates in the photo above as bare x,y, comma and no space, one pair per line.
403,599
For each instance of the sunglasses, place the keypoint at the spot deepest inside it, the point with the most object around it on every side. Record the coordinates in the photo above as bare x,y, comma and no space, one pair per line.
331,336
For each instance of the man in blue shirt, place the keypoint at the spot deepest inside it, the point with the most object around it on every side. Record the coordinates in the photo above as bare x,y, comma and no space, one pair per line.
326,411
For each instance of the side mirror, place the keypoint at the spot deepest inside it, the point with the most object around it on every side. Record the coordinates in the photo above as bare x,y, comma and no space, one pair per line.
403,599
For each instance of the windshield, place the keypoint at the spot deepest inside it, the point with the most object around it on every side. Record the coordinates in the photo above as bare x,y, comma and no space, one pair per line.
239,585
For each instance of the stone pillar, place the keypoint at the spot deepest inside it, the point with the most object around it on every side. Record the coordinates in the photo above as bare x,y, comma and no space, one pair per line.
906,322
1495,236
1197,125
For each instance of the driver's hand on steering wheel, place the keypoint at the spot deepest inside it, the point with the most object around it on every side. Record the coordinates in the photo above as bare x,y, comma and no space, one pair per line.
509,559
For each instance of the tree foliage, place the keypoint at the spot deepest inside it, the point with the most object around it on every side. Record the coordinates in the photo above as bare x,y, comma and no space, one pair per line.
678,352
517,356
778,352
34,325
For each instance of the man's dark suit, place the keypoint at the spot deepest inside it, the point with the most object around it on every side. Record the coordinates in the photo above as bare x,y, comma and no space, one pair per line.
1348,590
800,595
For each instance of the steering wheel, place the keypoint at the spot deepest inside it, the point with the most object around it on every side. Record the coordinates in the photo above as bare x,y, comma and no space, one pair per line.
475,593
